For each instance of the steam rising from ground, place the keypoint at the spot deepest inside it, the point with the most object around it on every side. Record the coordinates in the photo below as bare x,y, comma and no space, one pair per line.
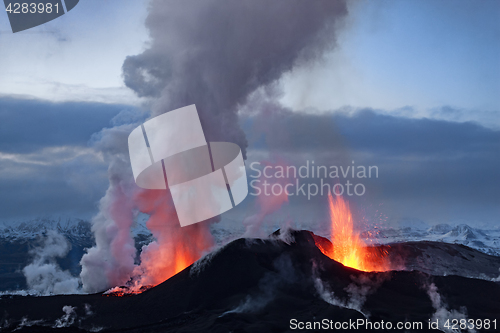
361,287
442,312
43,275
67,319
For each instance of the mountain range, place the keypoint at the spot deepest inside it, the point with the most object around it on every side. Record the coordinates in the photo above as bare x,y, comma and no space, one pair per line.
269,285
428,248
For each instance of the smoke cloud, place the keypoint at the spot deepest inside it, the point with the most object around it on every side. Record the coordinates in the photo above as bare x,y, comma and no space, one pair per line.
215,53
175,247
212,54
68,318
43,275
111,261
361,287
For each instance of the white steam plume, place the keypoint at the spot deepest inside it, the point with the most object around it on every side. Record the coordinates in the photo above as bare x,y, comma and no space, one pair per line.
68,318
442,313
43,274
361,287
111,261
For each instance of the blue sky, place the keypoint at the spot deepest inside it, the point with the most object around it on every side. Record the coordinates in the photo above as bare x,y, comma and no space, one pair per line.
75,57
401,61
418,54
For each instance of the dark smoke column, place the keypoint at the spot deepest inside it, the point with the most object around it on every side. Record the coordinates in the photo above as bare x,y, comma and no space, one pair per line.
214,53
209,53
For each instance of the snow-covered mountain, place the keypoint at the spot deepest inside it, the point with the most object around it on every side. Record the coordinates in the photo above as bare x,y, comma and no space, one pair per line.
486,241
17,239
76,230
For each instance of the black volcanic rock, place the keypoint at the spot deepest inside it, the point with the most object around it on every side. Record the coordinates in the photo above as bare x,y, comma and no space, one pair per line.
435,258
439,258
253,285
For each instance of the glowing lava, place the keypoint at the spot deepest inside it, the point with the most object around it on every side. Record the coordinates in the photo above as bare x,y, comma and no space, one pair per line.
173,249
348,248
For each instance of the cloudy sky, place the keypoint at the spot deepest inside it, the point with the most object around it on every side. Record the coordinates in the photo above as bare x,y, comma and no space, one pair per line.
410,86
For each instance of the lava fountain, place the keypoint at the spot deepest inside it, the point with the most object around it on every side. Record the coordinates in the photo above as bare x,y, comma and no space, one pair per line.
347,247
173,249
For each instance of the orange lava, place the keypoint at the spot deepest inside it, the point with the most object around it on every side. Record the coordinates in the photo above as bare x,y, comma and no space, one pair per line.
175,247
125,291
348,248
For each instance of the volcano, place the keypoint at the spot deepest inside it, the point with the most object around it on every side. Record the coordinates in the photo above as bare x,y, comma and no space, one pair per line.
273,285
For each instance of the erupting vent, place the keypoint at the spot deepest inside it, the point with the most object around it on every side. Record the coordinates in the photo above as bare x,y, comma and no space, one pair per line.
347,248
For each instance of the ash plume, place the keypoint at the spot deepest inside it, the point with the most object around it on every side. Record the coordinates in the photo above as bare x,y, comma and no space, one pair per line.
213,54
361,288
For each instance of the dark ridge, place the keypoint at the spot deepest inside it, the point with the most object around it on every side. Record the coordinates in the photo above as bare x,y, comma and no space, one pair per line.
268,282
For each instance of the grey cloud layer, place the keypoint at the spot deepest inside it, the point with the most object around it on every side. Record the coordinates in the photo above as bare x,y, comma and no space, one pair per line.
47,166
367,130
27,125
430,169
425,166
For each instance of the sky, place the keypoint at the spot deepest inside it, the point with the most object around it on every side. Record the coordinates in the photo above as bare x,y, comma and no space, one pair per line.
77,57
410,86
419,55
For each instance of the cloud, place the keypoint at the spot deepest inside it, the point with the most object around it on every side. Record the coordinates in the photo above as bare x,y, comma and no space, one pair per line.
484,117
29,124
76,57
51,163
450,168
367,130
